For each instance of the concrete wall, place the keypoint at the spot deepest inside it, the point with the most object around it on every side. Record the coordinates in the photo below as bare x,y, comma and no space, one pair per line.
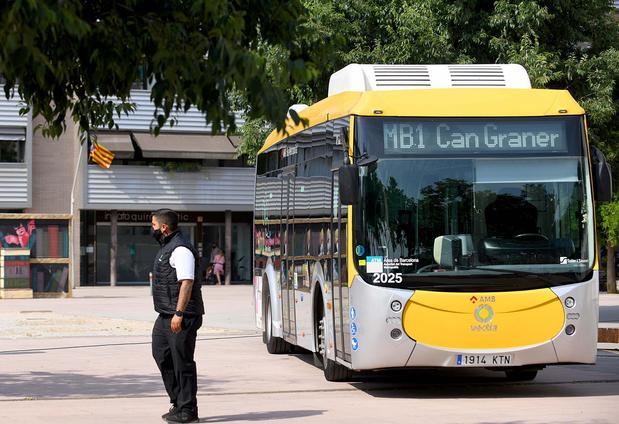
53,162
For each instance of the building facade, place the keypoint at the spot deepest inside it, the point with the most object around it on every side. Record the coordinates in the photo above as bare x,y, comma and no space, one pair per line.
95,222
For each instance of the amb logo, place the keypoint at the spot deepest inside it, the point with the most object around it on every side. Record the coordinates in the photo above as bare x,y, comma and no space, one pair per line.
484,314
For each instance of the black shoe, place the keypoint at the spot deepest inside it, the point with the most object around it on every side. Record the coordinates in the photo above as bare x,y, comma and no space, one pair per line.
170,412
183,416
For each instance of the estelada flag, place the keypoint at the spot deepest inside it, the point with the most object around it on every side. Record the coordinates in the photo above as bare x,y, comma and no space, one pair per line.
100,155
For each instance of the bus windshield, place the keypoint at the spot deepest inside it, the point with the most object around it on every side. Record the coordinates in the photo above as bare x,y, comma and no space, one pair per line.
473,204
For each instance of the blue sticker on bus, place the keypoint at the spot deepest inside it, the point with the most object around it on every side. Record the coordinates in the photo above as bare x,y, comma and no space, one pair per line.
459,360
353,329
353,313
354,343
360,250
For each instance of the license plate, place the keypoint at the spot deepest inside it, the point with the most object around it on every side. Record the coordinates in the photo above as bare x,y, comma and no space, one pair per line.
491,360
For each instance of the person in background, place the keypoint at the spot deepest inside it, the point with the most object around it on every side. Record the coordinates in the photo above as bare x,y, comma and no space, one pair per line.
178,300
214,250
218,265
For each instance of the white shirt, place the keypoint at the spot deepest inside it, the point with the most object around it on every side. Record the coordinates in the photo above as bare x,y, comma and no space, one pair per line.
183,262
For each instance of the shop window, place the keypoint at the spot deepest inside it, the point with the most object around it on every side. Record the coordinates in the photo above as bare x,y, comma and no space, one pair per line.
50,278
47,245
136,251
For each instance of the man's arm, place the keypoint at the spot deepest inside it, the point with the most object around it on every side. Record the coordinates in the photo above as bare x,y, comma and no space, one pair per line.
183,261
184,294
183,299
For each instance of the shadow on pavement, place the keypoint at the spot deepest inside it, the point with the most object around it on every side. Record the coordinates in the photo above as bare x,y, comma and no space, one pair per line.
488,390
445,384
46,385
452,383
263,416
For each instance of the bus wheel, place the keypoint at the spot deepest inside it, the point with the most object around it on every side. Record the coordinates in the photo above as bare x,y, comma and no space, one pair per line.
333,371
274,344
521,374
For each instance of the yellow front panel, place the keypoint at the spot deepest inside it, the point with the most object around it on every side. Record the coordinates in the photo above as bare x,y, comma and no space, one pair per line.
483,320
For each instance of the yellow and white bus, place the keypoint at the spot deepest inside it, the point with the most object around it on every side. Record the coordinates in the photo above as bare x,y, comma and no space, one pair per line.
430,216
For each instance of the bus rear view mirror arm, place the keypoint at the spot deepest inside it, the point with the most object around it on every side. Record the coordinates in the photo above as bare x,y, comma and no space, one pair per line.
366,160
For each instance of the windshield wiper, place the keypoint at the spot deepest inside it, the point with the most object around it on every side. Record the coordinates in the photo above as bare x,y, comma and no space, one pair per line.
512,271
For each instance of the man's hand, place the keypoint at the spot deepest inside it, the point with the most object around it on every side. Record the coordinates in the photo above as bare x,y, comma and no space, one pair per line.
175,324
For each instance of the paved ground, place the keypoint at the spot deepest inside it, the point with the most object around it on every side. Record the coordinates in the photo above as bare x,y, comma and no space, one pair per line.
92,364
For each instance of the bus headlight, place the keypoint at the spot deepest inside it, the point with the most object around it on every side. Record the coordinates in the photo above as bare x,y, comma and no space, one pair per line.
396,333
396,306
570,302
570,329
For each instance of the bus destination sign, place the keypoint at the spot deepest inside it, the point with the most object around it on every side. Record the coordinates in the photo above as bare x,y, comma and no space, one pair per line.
465,137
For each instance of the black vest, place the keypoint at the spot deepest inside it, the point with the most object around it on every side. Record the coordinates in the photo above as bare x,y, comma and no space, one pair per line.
165,284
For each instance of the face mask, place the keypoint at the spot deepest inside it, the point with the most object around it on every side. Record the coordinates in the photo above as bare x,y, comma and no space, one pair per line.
158,235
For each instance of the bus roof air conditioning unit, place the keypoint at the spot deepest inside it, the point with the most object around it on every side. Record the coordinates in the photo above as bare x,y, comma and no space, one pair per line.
357,77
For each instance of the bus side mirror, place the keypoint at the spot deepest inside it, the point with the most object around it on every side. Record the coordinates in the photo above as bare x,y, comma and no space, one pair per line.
602,176
349,184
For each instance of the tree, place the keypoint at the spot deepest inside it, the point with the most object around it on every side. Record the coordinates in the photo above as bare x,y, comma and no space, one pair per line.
81,57
565,45
253,133
609,213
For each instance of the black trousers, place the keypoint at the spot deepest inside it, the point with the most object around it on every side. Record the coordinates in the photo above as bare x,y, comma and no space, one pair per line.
173,354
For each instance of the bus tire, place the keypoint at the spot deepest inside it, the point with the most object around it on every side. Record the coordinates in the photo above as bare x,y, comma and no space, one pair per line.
332,370
275,345
521,374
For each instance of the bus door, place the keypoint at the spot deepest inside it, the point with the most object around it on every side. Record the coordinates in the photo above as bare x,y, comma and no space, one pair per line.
339,272
287,263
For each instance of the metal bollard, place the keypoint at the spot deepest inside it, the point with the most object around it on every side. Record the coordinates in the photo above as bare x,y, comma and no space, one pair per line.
150,282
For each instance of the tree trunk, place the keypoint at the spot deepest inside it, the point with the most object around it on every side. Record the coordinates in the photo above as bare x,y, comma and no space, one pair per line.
611,277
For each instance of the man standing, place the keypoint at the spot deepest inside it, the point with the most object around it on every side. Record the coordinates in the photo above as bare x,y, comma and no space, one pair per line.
178,300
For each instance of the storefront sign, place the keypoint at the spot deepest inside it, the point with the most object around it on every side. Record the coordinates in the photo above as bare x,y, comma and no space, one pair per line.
139,216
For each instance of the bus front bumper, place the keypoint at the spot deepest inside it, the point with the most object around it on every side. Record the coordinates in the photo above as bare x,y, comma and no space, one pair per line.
382,342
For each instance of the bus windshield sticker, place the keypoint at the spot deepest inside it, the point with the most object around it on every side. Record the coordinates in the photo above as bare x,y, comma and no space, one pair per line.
359,250
453,137
387,278
374,264
396,263
566,260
